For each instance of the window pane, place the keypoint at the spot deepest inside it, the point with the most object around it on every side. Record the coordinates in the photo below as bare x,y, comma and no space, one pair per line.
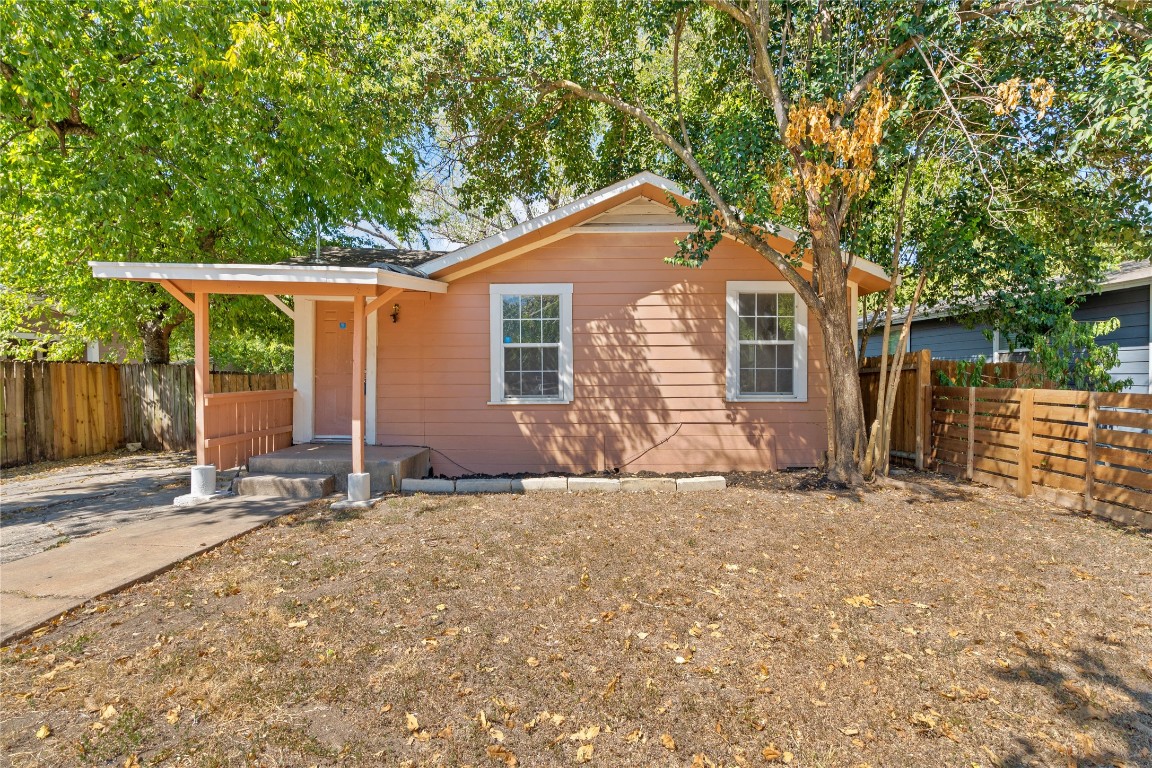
786,304
530,306
530,331
765,381
550,307
532,383
531,358
747,329
511,331
551,359
766,328
766,357
787,329
747,303
766,304
511,307
511,359
512,384
784,356
551,384
784,382
550,332
747,380
747,356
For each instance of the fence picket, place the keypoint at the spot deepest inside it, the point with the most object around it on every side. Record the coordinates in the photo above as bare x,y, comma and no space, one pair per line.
63,410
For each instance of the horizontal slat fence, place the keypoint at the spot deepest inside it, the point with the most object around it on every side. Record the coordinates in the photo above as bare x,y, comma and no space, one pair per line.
1088,450
57,411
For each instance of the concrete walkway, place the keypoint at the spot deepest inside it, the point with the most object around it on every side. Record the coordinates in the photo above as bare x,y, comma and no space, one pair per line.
116,526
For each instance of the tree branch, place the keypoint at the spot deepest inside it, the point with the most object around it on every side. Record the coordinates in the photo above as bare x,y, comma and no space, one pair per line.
763,73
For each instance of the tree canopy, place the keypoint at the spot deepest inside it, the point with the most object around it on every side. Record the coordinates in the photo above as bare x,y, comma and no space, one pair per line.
156,130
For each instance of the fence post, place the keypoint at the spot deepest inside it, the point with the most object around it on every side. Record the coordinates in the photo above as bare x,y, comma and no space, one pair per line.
1090,452
1024,467
923,407
971,429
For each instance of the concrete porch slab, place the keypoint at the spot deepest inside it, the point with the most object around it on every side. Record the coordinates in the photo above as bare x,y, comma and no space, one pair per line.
387,466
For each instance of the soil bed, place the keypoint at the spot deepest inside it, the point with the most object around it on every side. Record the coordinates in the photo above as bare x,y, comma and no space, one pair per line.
956,626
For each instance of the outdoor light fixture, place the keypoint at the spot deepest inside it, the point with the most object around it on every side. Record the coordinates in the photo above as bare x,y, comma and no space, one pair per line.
395,312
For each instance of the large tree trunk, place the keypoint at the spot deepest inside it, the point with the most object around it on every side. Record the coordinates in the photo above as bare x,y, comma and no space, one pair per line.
847,438
156,338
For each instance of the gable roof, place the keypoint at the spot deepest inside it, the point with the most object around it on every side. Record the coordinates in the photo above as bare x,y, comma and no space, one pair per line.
580,215
402,260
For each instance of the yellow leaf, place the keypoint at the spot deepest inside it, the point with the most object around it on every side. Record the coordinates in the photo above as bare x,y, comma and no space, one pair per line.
533,661
787,758
584,753
412,722
131,762
668,742
107,712
634,737
771,753
497,752
173,715
44,732
611,688
860,601
298,624
586,734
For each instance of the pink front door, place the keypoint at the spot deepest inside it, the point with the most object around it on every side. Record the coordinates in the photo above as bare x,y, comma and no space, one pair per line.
333,384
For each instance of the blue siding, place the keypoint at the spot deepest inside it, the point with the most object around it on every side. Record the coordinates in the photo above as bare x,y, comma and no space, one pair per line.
1130,306
948,340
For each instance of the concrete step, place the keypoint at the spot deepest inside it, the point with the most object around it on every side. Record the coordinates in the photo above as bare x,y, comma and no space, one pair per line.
286,486
387,466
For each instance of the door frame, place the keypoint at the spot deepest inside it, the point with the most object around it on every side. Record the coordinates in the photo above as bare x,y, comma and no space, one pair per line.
304,370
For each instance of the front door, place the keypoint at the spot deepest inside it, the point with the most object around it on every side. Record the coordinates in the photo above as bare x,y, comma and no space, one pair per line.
333,384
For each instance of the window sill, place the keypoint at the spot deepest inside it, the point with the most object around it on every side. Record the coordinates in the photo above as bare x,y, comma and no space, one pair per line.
529,402
766,399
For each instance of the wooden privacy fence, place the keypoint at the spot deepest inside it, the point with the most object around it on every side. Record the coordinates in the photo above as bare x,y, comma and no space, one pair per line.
1087,450
63,410
911,438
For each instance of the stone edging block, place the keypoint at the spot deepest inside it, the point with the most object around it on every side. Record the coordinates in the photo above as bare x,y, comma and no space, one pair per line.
714,483
427,485
560,484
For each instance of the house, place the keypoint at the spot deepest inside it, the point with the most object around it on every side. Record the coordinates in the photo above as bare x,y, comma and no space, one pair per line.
563,344
37,325
1125,293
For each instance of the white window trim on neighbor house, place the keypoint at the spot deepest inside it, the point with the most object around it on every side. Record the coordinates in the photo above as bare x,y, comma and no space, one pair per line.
732,337
497,292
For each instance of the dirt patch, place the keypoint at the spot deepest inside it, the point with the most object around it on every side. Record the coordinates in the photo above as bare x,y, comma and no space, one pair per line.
923,627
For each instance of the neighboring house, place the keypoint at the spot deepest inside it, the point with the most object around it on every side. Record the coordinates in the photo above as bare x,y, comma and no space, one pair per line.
563,344
1125,293
41,332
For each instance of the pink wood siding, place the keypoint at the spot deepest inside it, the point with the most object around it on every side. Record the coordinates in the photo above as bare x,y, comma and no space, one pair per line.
648,357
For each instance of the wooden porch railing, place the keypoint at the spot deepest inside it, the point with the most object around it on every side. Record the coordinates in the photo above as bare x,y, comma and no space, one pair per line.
238,425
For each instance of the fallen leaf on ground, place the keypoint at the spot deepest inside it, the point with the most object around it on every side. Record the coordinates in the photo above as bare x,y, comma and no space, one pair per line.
44,732
298,624
634,737
412,722
584,753
497,752
771,753
860,601
668,742
586,734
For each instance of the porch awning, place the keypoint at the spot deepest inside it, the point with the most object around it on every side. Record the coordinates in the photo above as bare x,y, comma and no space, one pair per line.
283,279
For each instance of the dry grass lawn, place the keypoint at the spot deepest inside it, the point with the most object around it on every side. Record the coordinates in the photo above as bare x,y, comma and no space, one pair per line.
748,627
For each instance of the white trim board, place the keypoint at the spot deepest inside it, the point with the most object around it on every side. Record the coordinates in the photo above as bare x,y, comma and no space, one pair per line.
303,369
294,274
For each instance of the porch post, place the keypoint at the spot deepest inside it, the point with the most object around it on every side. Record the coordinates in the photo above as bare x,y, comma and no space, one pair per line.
203,379
359,350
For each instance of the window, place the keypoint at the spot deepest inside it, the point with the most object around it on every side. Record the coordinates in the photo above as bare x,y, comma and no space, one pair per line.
531,343
767,340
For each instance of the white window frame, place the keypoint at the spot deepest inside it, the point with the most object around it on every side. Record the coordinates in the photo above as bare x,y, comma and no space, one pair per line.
496,293
732,337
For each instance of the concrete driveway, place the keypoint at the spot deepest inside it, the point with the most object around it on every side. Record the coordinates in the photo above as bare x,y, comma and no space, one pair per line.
72,533
56,506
